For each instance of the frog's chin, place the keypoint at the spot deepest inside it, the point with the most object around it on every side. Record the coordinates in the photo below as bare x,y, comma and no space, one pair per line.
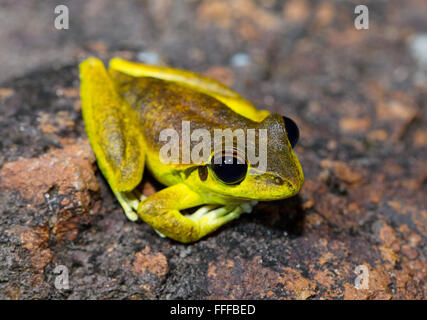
272,196
275,198
269,194
263,199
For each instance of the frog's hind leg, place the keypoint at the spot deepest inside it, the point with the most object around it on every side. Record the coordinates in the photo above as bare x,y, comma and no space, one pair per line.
190,79
113,134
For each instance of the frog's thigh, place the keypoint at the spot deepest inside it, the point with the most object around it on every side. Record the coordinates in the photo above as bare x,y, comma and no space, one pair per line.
201,83
112,130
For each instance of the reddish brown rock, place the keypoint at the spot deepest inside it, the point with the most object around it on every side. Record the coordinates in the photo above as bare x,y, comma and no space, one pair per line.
152,262
69,170
67,175
221,74
342,171
6,93
242,279
355,124
36,241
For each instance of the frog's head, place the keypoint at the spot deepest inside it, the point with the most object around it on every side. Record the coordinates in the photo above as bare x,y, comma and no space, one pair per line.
274,173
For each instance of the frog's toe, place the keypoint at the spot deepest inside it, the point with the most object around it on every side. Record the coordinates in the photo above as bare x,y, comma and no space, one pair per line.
160,234
220,217
130,214
129,202
247,207
201,212
219,212
139,196
211,217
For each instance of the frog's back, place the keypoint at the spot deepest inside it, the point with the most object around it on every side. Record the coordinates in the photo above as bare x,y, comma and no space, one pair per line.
163,105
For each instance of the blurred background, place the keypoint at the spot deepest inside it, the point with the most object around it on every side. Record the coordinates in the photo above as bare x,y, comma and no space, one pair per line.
305,52
272,34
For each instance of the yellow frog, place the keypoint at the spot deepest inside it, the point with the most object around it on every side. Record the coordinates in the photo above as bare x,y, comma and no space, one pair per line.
125,110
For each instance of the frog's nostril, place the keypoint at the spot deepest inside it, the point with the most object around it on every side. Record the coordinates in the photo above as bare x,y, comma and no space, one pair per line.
283,182
288,184
277,180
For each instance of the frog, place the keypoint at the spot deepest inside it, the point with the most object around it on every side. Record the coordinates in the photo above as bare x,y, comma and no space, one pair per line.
126,107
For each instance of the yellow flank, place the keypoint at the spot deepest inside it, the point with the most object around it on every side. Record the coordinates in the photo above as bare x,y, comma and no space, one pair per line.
124,144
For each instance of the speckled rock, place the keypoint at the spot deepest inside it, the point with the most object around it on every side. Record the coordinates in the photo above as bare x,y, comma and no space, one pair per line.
359,98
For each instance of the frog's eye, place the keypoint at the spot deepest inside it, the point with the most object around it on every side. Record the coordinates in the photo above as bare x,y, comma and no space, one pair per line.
292,130
229,168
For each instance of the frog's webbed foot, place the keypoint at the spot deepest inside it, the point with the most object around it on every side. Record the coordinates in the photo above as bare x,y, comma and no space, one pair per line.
210,217
130,202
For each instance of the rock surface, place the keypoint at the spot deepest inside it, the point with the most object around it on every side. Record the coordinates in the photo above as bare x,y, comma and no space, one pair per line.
359,98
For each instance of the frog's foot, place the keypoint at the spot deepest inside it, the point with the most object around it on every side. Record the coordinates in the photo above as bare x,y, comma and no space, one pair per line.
130,202
249,206
210,217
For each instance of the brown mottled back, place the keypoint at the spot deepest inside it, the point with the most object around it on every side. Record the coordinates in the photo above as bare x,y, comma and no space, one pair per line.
164,105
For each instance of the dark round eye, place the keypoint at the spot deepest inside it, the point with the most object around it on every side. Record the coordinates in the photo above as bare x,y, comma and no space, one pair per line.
292,130
229,170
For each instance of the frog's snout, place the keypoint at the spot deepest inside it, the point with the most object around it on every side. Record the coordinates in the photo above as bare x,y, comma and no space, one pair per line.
291,185
294,184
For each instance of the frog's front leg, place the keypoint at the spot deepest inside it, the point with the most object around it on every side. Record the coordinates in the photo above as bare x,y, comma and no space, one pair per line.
162,211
